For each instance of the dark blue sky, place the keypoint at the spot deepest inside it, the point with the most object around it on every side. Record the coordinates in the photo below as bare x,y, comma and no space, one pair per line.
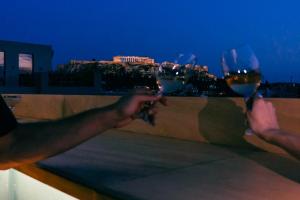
161,29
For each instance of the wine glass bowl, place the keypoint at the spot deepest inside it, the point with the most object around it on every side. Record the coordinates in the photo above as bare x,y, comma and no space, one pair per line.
169,80
241,70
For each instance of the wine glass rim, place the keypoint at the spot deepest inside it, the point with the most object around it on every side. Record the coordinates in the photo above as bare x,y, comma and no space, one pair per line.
246,48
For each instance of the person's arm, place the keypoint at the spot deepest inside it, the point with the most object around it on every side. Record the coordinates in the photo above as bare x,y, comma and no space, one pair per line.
263,122
32,142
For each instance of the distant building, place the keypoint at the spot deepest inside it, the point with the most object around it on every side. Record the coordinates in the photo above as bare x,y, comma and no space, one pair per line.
284,90
133,59
79,64
20,62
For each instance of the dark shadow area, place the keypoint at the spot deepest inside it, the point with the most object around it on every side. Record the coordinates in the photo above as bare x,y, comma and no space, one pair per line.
282,165
222,123
279,164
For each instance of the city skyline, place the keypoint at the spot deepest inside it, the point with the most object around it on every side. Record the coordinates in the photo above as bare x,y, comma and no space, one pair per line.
162,30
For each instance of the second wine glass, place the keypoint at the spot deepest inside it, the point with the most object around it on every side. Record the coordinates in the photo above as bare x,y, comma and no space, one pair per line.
242,74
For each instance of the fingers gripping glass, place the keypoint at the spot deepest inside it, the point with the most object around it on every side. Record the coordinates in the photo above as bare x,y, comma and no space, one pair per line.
145,112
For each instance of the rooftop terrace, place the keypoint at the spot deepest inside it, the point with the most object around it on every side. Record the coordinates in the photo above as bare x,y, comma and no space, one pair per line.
197,150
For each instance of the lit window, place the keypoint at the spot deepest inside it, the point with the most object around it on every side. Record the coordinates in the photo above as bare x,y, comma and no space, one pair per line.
1,58
25,63
2,68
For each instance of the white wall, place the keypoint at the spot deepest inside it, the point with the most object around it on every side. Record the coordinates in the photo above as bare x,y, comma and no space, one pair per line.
4,177
17,186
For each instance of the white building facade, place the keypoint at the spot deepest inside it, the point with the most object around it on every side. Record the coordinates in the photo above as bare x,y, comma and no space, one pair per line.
133,59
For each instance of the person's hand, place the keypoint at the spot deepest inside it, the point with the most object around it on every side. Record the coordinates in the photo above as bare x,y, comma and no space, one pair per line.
127,107
262,120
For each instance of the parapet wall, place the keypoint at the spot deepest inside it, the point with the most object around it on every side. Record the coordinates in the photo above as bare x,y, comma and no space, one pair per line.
214,120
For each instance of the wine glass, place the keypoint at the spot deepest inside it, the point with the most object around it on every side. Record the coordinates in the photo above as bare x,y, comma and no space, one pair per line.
170,80
173,77
242,73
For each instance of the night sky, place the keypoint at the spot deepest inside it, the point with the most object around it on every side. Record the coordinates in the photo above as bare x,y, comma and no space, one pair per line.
161,29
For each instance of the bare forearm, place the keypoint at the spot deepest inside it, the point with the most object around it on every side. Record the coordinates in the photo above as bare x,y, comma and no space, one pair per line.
36,141
33,142
288,141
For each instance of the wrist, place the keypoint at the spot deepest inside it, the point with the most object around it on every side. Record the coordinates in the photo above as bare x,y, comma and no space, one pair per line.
106,117
115,115
271,135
